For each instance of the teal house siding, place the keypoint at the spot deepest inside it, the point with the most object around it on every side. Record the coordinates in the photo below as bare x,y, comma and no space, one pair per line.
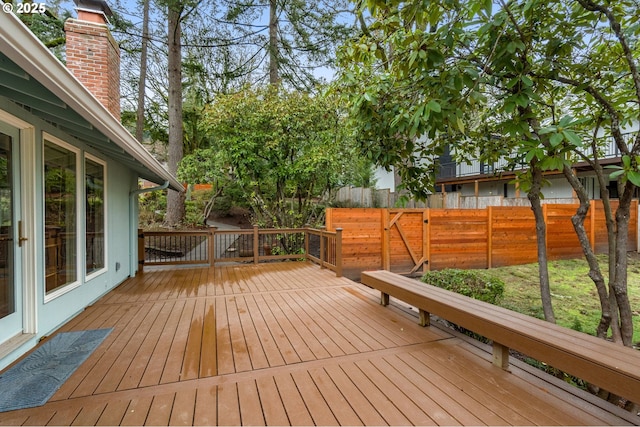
69,172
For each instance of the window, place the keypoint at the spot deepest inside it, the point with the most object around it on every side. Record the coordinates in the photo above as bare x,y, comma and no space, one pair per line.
61,211
94,213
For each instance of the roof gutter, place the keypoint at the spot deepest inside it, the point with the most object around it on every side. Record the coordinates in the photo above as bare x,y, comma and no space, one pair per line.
23,48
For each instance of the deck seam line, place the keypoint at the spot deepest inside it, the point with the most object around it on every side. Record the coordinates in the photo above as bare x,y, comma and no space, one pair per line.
159,389
235,294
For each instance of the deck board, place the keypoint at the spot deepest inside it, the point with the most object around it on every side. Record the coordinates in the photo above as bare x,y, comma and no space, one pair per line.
288,344
206,405
136,412
272,406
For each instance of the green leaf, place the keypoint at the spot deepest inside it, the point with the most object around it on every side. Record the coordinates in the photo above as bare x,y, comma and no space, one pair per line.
488,4
509,107
434,106
572,137
530,155
565,121
547,130
527,81
634,177
522,100
556,139
616,174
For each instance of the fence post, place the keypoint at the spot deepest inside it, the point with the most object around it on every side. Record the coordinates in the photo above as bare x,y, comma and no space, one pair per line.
592,231
140,250
386,239
546,221
256,244
489,236
212,245
425,240
339,252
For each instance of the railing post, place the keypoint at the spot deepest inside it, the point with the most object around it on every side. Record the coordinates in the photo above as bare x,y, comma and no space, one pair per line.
212,245
140,250
256,243
339,252
306,242
322,247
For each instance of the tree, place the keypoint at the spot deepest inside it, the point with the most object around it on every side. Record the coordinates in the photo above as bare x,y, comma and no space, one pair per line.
175,200
295,38
284,148
142,79
543,76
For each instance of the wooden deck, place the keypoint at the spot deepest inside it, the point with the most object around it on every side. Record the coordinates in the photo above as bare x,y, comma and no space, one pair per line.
288,344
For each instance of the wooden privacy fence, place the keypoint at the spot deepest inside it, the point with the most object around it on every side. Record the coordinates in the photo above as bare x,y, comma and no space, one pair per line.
415,240
255,245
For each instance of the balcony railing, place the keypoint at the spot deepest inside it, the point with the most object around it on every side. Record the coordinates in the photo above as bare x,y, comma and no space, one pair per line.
255,245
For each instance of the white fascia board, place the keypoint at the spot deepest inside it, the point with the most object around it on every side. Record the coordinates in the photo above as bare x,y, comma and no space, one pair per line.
20,45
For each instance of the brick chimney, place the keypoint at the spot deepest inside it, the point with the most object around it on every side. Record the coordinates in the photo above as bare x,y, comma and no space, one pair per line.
93,55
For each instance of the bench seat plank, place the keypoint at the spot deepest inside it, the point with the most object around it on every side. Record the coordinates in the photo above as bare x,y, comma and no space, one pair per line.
529,326
611,366
533,327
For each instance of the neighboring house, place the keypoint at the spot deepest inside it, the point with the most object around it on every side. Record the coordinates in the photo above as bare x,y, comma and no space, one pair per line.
68,178
495,179
481,179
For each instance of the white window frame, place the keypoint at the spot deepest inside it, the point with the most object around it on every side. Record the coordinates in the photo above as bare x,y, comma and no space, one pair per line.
46,137
104,269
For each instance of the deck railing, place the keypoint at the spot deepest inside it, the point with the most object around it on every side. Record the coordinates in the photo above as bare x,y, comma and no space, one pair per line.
255,245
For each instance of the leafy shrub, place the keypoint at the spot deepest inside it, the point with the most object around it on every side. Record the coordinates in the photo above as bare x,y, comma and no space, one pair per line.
476,284
152,207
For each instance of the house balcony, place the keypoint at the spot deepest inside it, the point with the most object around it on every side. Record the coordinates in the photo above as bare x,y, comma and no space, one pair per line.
290,343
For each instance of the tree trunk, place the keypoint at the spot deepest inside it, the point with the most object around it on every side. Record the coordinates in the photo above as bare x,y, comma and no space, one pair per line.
614,323
541,235
142,80
274,75
583,238
175,200
620,279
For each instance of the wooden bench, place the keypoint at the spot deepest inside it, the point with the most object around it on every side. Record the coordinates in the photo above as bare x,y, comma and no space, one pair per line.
613,367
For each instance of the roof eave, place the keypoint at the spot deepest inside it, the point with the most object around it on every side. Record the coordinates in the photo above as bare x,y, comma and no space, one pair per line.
23,48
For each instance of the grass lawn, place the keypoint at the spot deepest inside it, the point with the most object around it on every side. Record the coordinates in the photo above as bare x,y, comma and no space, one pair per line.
575,301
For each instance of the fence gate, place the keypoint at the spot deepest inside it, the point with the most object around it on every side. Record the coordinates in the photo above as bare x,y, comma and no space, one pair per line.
405,241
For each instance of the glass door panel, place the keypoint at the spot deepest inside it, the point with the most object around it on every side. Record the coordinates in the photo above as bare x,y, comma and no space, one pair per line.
10,286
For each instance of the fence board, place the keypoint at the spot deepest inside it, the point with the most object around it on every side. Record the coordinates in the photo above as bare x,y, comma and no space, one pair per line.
464,238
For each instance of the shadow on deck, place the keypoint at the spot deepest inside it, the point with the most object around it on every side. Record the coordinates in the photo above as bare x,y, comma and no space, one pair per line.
290,344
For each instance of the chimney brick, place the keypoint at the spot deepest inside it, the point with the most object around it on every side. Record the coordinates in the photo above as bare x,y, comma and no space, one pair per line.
93,56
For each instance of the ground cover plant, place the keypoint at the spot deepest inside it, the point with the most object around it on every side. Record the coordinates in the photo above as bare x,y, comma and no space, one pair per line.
574,296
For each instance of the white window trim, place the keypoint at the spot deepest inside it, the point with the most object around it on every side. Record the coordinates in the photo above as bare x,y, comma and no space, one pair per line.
46,137
30,253
104,269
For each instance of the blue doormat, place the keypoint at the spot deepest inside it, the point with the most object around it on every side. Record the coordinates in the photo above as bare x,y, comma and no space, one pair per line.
33,380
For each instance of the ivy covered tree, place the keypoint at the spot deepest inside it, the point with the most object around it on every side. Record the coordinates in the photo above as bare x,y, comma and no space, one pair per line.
285,149
544,83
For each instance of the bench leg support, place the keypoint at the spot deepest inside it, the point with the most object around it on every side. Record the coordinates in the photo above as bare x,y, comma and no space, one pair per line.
384,299
500,355
424,318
